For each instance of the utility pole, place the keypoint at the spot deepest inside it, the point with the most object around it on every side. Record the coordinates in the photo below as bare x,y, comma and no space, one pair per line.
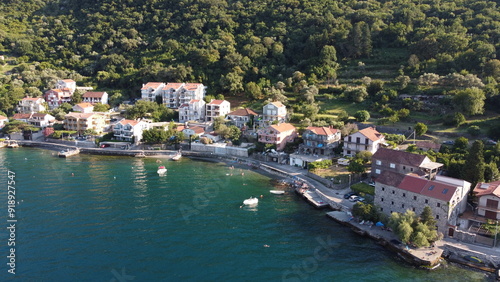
496,232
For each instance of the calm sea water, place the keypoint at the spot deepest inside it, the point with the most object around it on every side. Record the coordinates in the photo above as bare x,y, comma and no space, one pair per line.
99,218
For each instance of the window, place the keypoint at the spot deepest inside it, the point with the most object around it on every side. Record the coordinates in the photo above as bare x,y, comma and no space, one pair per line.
404,167
349,139
437,216
383,188
403,206
377,171
357,139
392,203
393,192
438,205
404,194
392,165
415,198
426,201
413,209
381,209
381,199
378,162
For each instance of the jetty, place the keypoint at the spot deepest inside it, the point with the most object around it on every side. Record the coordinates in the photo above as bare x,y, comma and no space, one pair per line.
68,153
12,144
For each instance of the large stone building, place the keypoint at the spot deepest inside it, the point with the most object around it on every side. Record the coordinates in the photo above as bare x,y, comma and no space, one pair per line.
402,162
447,197
367,139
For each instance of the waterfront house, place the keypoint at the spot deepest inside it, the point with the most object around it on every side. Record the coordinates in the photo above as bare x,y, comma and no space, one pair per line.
150,90
217,108
319,144
31,105
3,121
83,108
402,162
55,97
130,130
194,110
241,117
278,134
95,97
36,119
80,122
367,139
193,130
446,196
274,111
176,94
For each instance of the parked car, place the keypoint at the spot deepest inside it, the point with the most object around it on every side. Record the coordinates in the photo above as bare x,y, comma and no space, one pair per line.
449,142
371,183
490,142
348,195
356,198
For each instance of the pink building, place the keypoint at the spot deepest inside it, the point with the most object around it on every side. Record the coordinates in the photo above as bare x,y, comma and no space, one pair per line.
278,134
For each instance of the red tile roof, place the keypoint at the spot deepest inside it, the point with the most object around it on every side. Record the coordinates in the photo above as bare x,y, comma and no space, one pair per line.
31,99
400,157
93,94
428,145
243,112
129,121
216,102
84,105
79,115
192,86
3,118
173,85
327,131
278,104
21,116
371,134
68,80
282,127
153,85
197,129
492,188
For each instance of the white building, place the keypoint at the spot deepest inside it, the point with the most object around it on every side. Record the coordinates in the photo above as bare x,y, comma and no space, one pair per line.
194,110
274,111
95,97
3,121
31,105
217,108
130,130
55,97
150,90
367,139
176,94
66,84
83,108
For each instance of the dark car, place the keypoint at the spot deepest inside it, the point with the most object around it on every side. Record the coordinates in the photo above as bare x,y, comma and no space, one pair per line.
348,195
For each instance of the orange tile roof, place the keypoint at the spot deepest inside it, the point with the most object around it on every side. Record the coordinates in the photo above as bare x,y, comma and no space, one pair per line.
93,94
79,115
84,105
3,118
21,116
153,85
282,127
371,133
192,86
68,80
173,85
129,121
216,102
323,130
197,129
243,112
31,99
492,188
400,157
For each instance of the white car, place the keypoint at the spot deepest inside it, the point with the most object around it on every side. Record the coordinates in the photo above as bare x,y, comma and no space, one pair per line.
356,198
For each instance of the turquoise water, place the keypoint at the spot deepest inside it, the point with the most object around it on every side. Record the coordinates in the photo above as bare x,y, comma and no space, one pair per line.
101,218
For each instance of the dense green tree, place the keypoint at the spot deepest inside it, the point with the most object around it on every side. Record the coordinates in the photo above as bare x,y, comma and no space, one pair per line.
420,129
362,116
469,101
427,217
473,170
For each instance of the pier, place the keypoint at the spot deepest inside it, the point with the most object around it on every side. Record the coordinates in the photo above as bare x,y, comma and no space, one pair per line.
68,153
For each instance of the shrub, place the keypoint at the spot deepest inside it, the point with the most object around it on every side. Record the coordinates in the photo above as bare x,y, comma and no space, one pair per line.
474,130
362,116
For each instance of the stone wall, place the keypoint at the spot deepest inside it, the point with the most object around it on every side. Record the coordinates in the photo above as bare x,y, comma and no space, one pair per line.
220,150
464,236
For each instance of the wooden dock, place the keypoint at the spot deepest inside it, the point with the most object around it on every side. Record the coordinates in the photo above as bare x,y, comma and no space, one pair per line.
68,153
312,197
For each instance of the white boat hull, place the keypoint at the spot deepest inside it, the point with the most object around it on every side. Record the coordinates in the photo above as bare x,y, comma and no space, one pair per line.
277,192
251,201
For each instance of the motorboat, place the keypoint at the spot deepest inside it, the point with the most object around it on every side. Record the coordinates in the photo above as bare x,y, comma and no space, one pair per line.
251,201
177,156
140,155
161,170
277,192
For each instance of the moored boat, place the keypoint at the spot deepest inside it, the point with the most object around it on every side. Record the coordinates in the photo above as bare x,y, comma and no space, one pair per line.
177,156
161,170
277,192
251,201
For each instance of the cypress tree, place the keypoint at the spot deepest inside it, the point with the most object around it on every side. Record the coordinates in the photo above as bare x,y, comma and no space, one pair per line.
474,167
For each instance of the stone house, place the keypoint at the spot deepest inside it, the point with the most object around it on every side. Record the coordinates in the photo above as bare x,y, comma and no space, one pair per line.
278,134
447,197
367,139
402,162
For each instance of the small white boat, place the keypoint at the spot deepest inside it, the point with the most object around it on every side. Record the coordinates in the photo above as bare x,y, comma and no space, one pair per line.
277,192
251,201
161,170
177,156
